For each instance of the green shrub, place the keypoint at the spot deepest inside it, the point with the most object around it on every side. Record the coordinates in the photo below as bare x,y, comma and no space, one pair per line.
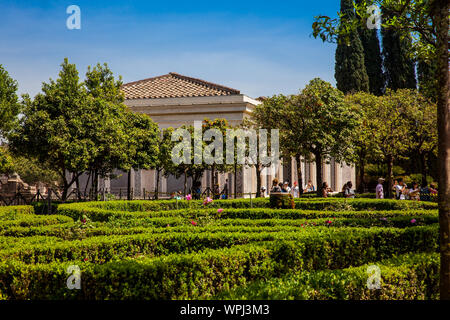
281,201
98,214
16,210
204,274
307,204
411,276
337,243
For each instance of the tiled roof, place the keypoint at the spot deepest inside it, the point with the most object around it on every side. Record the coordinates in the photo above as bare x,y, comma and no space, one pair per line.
174,85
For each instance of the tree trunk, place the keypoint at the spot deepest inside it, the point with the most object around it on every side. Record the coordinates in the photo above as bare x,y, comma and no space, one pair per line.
319,177
299,174
185,182
258,181
129,185
361,170
235,180
65,191
423,168
157,184
77,184
95,184
390,166
213,173
441,8
87,183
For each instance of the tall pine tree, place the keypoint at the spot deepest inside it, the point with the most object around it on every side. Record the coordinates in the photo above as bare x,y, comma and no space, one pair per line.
399,67
350,70
372,58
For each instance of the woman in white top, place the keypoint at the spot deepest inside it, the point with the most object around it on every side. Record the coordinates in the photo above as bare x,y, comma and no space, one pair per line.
295,190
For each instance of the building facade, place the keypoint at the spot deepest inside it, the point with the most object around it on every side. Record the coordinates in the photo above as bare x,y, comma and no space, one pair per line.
173,100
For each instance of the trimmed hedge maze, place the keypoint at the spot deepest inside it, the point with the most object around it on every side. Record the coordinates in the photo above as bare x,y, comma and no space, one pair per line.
226,249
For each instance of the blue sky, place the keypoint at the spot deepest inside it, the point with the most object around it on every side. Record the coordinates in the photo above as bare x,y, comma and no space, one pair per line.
258,47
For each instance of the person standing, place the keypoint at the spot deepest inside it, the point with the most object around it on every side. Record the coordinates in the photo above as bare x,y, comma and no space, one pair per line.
295,190
275,186
400,190
309,187
414,192
379,189
325,190
348,191
286,187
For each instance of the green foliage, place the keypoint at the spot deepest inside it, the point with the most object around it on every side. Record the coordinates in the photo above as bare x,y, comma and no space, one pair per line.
398,65
350,69
410,276
281,201
6,161
372,58
9,104
148,250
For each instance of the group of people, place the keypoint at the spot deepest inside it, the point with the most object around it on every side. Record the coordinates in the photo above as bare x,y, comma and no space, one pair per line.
405,192
309,187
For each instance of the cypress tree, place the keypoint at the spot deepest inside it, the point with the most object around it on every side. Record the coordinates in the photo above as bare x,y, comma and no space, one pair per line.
372,58
399,68
350,70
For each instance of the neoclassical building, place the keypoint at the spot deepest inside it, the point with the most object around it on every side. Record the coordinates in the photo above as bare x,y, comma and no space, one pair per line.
173,100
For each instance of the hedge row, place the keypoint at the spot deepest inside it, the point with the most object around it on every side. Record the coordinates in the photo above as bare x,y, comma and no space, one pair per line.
411,276
204,274
73,231
12,210
335,246
28,220
309,204
76,211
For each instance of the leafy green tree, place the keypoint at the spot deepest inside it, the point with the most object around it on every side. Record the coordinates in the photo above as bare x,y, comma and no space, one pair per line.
270,115
398,64
392,135
427,82
143,144
365,145
220,163
328,124
53,127
350,69
163,164
428,21
9,105
33,172
422,124
101,83
6,163
109,129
